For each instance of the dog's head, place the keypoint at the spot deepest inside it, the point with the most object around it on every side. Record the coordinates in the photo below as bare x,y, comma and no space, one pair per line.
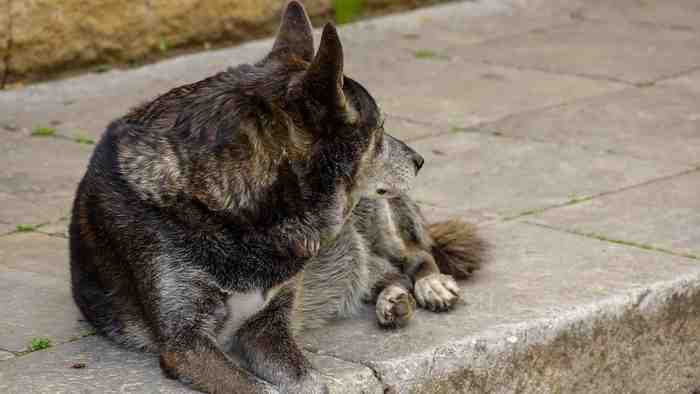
335,115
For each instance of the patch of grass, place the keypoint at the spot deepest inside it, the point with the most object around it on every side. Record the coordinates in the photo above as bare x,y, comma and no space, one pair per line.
348,10
534,211
102,68
83,334
429,54
26,228
163,45
634,244
39,344
43,132
83,140
574,199
457,129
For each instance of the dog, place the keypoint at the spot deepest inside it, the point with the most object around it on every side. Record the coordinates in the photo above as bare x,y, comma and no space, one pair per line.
220,219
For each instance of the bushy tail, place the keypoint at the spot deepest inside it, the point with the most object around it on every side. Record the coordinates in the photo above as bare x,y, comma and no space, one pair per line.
457,249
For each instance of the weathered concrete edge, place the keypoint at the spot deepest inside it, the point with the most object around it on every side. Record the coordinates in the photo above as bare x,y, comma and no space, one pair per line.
245,49
150,52
473,358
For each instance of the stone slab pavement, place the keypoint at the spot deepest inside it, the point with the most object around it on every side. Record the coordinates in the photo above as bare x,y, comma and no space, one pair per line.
568,132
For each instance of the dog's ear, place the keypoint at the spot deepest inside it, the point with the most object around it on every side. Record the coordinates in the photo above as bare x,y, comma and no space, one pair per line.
294,35
324,78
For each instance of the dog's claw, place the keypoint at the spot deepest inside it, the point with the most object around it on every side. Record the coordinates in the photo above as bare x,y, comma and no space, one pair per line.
437,292
395,307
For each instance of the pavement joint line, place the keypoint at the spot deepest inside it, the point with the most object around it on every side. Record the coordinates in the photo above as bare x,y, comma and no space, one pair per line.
574,201
8,351
376,373
72,339
478,128
531,111
678,74
600,237
59,136
643,24
524,32
35,228
592,77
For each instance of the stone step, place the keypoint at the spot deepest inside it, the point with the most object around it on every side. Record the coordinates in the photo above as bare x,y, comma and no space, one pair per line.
550,312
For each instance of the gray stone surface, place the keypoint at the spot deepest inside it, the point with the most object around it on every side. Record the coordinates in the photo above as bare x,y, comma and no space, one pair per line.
444,29
36,253
462,94
663,214
109,369
58,228
689,81
34,287
675,15
545,299
458,94
498,177
649,123
38,177
621,51
36,306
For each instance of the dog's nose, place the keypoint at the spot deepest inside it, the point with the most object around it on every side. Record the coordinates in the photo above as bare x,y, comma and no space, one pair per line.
418,161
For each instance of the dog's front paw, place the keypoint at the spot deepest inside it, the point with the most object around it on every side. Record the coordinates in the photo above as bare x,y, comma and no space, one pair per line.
395,307
437,292
313,383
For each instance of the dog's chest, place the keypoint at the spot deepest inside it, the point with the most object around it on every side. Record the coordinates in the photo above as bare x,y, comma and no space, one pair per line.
240,307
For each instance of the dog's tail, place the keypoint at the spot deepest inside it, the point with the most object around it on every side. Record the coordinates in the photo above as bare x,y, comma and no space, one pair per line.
457,249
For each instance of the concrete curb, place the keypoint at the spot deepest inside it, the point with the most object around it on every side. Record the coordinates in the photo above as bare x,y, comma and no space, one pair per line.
644,341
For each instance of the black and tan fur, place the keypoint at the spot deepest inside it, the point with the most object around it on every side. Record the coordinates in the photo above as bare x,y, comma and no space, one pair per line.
225,215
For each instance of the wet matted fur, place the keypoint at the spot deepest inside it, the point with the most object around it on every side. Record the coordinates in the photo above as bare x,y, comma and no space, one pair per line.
225,215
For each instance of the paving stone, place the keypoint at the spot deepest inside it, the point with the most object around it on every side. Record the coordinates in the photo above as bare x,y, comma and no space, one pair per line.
659,123
536,279
109,369
676,15
663,214
486,176
373,51
35,252
85,105
445,28
409,130
6,227
5,355
689,81
38,177
41,307
462,94
621,51
36,291
58,228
